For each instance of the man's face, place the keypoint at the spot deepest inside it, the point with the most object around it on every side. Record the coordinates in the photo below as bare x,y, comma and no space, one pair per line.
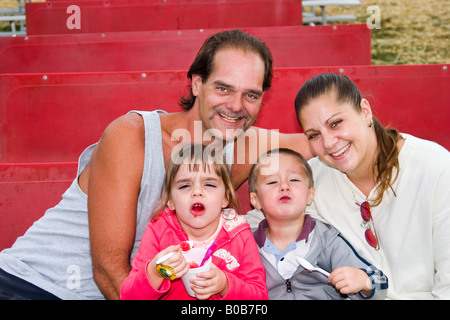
229,100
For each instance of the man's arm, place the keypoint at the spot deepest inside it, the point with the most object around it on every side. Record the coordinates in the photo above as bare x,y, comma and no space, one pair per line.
113,182
297,142
247,151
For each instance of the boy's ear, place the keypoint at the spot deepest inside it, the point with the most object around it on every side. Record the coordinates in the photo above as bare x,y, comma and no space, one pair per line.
254,200
311,192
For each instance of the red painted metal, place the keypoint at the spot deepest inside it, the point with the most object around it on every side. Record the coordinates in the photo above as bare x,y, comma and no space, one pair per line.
291,46
52,118
113,16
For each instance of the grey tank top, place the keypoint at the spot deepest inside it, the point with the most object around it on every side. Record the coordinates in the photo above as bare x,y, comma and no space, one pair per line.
54,254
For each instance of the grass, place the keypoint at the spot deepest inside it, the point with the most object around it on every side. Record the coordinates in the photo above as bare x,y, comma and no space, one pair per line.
411,31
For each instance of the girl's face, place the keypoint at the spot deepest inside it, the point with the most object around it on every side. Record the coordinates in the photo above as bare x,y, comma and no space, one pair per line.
339,135
198,199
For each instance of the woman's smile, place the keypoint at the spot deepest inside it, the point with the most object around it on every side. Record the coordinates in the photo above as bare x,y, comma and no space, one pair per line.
341,153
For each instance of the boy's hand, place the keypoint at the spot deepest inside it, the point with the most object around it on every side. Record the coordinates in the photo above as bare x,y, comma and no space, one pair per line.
350,280
213,281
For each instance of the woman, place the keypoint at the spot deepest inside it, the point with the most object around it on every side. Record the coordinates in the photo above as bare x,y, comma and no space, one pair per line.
385,191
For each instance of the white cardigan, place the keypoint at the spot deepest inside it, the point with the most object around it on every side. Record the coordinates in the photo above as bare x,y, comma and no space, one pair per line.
413,227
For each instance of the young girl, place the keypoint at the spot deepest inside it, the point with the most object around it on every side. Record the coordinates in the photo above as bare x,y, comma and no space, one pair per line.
201,205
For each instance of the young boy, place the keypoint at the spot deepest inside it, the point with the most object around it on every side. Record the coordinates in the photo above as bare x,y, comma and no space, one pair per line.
281,186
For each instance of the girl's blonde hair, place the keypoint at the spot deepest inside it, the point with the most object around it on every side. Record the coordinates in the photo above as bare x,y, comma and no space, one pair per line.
197,157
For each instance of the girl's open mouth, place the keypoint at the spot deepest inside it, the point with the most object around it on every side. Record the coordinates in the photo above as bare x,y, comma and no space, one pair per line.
197,209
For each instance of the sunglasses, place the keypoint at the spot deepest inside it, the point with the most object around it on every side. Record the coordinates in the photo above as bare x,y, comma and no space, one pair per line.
370,235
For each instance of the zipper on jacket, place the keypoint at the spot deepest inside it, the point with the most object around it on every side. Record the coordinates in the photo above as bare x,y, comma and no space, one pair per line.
288,286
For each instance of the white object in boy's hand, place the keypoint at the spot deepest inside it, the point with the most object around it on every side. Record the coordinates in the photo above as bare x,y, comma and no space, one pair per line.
308,266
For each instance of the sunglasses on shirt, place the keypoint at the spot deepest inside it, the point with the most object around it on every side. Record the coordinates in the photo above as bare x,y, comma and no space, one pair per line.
371,236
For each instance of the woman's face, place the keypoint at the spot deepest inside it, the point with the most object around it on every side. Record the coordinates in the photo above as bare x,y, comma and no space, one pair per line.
340,135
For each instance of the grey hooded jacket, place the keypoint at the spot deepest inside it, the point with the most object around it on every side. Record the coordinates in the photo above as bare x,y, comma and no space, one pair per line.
328,250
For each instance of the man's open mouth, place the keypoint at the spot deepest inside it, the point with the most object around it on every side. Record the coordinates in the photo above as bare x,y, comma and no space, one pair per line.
231,118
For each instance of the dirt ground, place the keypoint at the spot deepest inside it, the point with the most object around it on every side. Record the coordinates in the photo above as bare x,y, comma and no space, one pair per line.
411,31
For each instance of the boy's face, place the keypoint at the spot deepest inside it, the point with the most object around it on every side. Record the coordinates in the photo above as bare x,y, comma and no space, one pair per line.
198,198
283,191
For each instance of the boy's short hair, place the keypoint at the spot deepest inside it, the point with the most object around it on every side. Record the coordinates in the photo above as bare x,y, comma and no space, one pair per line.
254,172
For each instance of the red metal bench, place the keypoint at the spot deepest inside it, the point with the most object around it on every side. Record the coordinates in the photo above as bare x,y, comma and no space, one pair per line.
38,122
291,46
52,118
26,192
111,16
36,172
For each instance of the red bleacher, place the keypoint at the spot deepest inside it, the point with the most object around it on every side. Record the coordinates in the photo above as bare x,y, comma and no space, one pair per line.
291,46
33,107
80,120
113,16
58,92
26,191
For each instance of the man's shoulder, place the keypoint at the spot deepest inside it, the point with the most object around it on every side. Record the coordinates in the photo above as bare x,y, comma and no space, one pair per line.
123,138
127,123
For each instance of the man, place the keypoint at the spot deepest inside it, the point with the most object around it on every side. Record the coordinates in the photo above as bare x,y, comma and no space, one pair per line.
82,248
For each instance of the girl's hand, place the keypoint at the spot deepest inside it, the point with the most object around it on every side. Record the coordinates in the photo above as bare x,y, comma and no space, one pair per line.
213,281
176,262
351,280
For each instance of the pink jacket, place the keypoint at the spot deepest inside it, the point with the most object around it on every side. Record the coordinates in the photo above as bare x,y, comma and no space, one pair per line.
235,253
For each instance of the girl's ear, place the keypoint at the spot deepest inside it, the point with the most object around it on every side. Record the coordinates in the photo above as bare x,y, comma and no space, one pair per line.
226,200
170,205
254,200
